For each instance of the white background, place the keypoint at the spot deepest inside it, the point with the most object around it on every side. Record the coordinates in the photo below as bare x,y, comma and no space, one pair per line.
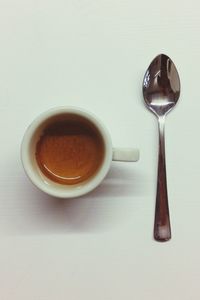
93,54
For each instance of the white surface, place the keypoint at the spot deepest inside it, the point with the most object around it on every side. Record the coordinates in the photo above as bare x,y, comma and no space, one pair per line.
94,54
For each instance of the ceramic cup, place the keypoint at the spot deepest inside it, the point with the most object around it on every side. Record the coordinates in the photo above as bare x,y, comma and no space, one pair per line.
28,149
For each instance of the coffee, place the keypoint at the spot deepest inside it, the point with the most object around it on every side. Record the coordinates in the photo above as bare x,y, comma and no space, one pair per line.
70,149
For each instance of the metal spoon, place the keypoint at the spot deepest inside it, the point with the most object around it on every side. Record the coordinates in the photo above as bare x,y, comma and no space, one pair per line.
161,90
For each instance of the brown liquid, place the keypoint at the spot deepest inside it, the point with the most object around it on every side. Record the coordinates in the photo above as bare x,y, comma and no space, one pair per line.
70,151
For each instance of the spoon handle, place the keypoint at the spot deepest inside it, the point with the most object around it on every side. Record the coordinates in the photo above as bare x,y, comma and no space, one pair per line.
162,230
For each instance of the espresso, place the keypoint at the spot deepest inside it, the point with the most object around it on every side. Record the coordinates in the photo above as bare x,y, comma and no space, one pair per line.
70,150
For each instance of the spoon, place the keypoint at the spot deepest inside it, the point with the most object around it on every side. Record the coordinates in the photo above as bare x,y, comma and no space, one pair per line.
161,90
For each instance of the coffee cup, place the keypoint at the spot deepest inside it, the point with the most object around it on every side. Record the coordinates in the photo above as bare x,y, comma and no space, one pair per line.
67,152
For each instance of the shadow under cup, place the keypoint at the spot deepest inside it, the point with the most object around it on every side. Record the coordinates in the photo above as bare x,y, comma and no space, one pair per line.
35,133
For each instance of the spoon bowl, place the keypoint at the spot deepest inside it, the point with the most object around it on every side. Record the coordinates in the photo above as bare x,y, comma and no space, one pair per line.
161,91
161,85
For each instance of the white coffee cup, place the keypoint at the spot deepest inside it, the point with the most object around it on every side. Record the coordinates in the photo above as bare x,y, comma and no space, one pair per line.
28,148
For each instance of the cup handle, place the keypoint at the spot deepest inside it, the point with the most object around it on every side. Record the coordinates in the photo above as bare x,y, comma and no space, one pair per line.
125,154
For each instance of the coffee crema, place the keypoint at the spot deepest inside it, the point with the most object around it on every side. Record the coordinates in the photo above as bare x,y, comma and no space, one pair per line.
70,150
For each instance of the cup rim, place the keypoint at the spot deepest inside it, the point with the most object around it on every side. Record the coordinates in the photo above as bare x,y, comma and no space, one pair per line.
54,190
